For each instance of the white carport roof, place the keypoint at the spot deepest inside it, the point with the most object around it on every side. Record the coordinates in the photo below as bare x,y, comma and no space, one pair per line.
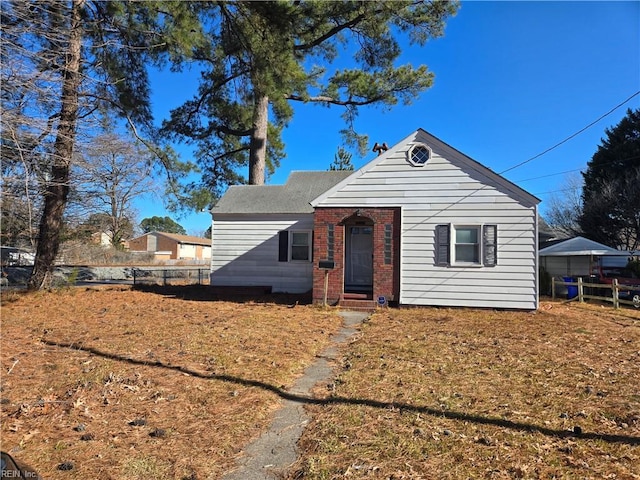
579,246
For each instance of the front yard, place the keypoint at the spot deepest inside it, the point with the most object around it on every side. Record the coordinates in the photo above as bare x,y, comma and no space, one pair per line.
118,383
142,385
452,394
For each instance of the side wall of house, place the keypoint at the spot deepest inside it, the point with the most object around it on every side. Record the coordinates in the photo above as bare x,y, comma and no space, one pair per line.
166,244
246,252
139,244
450,190
187,251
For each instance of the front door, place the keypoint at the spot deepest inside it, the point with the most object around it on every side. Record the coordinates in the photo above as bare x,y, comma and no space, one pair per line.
359,259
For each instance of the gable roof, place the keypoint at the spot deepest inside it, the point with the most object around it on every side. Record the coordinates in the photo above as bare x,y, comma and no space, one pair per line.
422,135
185,238
579,246
188,239
292,197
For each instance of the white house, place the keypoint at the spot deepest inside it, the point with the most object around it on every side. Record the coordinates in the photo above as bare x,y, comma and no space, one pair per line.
421,224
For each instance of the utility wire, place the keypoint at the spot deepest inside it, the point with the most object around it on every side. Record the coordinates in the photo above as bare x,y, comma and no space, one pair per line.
571,136
569,189
574,170
548,175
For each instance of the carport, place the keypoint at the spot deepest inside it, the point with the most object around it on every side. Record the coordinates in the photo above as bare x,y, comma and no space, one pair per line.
578,256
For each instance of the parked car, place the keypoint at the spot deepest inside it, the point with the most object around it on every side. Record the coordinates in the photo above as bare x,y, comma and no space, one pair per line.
625,278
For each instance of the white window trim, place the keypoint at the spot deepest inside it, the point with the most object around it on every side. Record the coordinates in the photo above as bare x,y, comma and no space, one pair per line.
310,242
453,243
410,154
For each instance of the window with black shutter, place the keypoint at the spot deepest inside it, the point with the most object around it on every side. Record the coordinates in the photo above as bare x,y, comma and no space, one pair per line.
470,245
295,245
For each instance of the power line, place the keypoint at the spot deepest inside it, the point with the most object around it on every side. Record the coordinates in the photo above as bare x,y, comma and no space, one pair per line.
548,175
569,189
576,169
571,136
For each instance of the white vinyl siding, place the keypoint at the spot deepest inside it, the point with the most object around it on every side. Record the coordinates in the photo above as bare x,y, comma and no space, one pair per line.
245,252
450,189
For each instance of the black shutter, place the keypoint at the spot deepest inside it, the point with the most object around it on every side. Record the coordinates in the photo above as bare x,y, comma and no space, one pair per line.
283,247
313,240
443,252
490,245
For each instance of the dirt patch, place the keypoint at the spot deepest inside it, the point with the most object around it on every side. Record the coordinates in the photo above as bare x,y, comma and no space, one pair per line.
111,383
461,393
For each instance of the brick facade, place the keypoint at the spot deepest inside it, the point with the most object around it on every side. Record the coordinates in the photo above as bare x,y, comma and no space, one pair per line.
138,244
386,250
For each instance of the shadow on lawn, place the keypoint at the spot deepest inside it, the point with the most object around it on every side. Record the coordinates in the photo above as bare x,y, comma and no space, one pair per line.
207,293
403,407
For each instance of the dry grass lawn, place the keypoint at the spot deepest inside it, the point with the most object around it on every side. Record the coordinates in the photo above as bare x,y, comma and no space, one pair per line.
143,385
171,384
460,394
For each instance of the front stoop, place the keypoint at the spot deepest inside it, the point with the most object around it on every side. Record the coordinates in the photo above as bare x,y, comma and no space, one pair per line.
361,302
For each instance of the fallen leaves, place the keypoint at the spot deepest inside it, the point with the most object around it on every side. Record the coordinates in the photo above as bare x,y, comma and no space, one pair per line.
90,361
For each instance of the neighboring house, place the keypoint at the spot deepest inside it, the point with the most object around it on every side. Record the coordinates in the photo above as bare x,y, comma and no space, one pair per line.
10,256
171,246
421,224
578,256
545,232
101,238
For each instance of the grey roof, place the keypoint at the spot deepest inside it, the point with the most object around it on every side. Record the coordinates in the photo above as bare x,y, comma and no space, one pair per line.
544,230
579,246
292,197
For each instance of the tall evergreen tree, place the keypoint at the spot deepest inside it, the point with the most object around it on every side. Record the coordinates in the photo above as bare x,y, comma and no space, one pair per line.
611,192
63,62
262,56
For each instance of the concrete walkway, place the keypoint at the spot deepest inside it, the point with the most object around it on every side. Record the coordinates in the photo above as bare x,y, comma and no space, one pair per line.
271,455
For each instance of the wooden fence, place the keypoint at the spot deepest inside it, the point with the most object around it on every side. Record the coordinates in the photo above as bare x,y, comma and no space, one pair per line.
600,291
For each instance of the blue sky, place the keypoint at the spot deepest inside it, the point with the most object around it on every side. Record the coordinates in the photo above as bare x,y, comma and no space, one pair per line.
512,79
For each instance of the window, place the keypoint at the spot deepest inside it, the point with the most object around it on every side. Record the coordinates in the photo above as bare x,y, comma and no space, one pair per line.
466,245
294,245
388,232
300,246
330,241
418,155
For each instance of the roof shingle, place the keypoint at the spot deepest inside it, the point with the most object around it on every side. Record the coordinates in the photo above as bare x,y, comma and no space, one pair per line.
292,197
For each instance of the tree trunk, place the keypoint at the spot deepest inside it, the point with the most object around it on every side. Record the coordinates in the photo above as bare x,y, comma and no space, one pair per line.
258,145
55,197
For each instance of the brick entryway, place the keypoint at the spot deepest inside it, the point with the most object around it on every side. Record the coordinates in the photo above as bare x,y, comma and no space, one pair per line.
344,236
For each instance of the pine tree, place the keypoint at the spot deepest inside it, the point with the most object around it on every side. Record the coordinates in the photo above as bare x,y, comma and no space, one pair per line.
63,63
611,192
342,160
263,56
